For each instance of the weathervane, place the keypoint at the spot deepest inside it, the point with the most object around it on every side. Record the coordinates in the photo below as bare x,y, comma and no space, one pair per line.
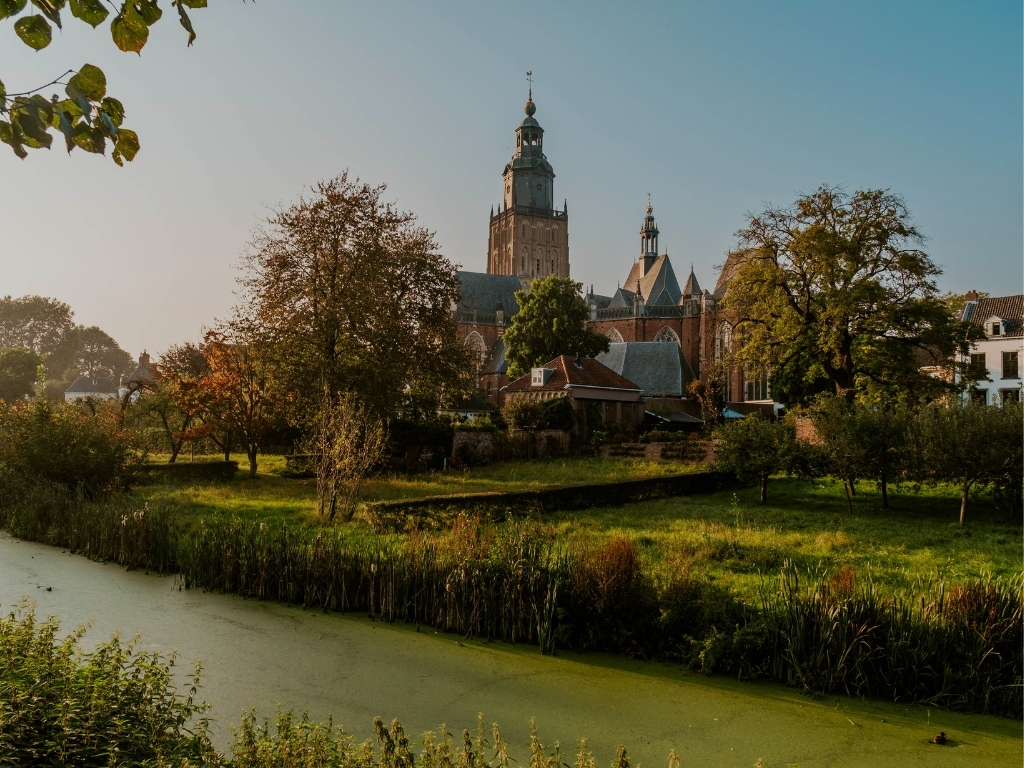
529,77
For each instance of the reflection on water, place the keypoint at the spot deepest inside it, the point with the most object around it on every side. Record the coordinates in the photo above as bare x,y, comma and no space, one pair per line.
265,655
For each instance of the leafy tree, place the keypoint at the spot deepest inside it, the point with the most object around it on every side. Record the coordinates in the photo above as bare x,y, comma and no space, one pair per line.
354,298
19,370
883,433
836,285
839,443
754,449
710,393
967,444
37,323
238,396
552,321
523,413
88,118
92,352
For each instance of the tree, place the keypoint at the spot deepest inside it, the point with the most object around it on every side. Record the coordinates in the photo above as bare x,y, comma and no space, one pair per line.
37,323
883,433
347,441
87,118
967,444
19,371
552,321
754,448
92,352
836,284
710,393
238,396
354,298
843,451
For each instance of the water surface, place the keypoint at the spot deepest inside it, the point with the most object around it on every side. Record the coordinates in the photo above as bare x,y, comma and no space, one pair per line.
263,655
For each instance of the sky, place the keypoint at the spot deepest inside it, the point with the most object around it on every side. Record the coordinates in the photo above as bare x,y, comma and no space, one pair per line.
715,109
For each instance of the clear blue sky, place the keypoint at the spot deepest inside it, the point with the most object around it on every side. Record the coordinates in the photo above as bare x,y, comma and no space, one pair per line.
713,108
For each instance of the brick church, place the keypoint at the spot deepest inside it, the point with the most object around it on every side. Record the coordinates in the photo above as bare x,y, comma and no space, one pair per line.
529,238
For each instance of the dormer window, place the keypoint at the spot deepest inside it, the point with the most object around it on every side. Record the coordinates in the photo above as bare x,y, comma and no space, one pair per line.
996,329
539,376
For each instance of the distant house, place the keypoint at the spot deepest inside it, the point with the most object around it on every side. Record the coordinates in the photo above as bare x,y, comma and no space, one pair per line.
583,380
96,388
998,355
144,376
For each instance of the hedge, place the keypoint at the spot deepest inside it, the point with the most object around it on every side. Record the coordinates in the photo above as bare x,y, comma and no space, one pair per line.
403,514
202,470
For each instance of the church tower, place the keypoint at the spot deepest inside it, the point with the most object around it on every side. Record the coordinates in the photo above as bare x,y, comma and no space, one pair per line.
529,237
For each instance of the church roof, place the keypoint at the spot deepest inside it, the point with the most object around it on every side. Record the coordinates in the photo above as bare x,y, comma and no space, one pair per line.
659,368
692,287
482,291
622,298
659,286
733,261
496,361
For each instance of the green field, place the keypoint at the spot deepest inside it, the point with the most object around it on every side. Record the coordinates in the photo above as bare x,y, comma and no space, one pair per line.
727,536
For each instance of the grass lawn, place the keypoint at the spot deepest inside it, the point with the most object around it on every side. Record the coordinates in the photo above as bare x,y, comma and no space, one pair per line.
731,537
270,496
727,535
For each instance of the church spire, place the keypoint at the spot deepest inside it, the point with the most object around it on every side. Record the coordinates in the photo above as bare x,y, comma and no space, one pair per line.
648,238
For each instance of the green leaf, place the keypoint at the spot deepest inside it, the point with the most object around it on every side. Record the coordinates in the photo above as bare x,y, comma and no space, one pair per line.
129,30
192,3
108,124
32,127
90,81
65,126
9,134
186,22
3,93
11,7
91,139
92,12
50,9
80,100
71,109
34,31
149,11
114,109
127,146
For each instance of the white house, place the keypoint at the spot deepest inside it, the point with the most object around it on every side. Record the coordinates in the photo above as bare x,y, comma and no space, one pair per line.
999,353
96,388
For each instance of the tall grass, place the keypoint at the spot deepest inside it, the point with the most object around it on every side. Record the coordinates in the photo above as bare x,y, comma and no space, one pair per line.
958,647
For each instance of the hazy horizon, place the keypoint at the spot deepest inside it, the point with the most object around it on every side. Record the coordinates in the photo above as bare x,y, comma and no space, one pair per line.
713,110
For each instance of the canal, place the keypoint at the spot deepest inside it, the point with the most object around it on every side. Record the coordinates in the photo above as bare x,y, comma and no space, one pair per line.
267,655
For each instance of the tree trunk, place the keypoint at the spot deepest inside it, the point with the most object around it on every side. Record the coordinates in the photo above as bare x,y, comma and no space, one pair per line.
853,486
885,493
963,502
764,489
849,502
252,462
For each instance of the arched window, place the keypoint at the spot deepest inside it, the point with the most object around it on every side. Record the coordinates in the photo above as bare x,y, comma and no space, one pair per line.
667,334
614,336
476,344
723,342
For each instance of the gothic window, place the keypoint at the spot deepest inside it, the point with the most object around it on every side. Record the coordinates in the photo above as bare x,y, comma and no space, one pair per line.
667,334
614,336
723,342
475,342
757,388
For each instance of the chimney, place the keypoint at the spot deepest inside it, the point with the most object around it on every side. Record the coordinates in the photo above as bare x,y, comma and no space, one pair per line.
144,359
971,296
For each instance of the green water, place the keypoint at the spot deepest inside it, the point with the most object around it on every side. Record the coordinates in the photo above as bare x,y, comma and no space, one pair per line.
264,655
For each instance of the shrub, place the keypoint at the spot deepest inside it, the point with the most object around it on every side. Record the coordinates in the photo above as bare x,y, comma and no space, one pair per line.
63,706
559,414
67,444
523,413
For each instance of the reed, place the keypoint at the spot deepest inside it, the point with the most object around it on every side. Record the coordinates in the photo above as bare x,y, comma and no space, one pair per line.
957,647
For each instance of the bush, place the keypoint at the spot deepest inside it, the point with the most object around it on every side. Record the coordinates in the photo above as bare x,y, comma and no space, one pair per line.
523,413
62,706
66,444
559,414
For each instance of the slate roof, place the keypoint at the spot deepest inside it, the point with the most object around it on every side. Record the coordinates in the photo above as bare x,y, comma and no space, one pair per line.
573,372
1009,308
496,362
733,261
486,291
659,286
622,298
692,287
659,368
87,385
600,301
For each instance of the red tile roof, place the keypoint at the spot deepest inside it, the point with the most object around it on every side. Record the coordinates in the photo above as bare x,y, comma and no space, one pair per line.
570,371
1009,308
